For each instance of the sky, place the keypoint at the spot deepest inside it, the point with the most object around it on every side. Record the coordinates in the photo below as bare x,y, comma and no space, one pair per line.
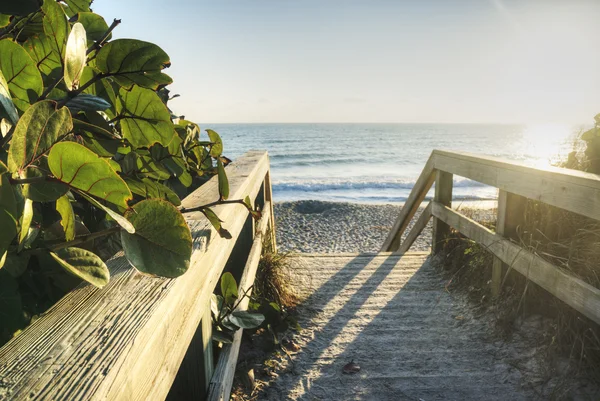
446,61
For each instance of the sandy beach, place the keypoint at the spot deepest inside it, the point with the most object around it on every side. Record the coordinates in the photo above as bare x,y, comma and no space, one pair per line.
331,227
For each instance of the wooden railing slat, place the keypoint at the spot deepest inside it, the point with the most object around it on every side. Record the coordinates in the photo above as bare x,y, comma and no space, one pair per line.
416,230
127,340
574,292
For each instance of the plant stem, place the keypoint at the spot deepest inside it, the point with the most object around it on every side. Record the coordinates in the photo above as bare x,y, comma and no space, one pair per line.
97,45
9,135
215,203
83,238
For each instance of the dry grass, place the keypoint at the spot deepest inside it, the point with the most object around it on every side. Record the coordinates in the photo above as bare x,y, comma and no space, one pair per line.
569,241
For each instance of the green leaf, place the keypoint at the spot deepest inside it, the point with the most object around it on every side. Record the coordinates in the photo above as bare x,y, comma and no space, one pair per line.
223,181
151,168
8,211
145,120
20,7
11,307
47,191
64,208
95,124
215,221
217,144
78,6
222,337
131,61
75,57
83,264
100,88
56,26
95,26
37,130
16,264
4,20
217,304
19,70
26,219
41,51
178,168
81,168
6,101
162,243
149,189
86,102
229,288
246,320
122,221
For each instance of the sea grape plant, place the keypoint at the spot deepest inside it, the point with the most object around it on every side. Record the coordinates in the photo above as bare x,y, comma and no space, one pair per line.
90,156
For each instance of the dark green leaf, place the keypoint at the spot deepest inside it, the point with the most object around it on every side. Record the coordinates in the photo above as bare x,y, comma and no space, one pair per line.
75,57
95,125
229,288
223,181
162,243
64,208
81,168
19,70
145,119
16,264
83,264
246,320
85,102
46,191
95,26
19,7
78,6
152,169
56,26
222,337
37,130
131,61
148,189
99,145
217,144
8,211
215,221
178,168
9,109
122,221
100,88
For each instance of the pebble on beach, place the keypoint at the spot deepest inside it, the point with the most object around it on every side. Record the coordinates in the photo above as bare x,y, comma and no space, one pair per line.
331,227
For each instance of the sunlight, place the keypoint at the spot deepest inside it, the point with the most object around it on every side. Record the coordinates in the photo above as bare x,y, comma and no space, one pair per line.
543,144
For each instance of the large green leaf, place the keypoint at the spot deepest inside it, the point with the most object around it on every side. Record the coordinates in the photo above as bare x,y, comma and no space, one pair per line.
81,168
21,74
216,148
95,26
45,191
78,6
147,188
223,181
83,264
144,118
75,56
151,168
86,102
131,61
41,51
8,211
162,243
19,7
37,130
8,107
246,320
67,217
229,288
56,26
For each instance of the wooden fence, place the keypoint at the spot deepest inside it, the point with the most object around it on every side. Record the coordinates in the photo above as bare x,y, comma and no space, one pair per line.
141,337
571,190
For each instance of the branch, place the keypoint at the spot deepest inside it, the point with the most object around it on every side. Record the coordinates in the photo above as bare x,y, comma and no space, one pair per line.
98,44
215,203
54,246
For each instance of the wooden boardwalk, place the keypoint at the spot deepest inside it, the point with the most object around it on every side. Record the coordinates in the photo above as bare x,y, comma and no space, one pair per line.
393,317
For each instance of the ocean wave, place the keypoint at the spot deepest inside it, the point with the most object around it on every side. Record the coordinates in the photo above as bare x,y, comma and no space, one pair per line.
344,185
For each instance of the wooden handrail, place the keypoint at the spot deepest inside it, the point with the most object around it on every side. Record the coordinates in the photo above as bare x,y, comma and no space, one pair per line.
127,340
572,190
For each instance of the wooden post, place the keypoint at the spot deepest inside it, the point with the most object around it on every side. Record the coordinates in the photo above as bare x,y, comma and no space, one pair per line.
443,195
269,198
511,212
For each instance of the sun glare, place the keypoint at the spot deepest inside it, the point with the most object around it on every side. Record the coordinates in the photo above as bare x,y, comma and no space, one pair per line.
545,143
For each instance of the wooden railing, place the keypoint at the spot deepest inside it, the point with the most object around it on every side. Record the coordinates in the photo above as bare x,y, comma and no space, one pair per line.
571,190
141,337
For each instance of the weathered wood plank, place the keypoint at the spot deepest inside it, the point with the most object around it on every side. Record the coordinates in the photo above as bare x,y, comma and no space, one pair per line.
571,290
571,190
443,195
416,230
127,340
269,198
222,379
416,197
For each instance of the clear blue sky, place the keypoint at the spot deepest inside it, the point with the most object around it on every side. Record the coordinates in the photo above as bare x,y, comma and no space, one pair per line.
507,61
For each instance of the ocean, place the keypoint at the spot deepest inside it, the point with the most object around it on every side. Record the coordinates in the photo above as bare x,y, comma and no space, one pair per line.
379,163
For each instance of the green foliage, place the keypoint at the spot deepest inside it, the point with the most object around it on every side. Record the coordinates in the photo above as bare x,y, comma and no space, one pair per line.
89,153
226,319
